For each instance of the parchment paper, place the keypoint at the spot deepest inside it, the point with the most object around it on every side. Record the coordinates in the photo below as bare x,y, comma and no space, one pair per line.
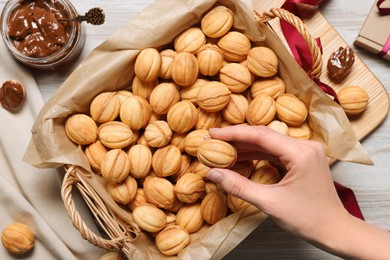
110,67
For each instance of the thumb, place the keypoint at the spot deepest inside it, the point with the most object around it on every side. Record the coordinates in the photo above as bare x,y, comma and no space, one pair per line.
239,186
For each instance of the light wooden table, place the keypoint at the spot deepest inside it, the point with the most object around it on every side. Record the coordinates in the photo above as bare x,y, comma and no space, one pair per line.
370,183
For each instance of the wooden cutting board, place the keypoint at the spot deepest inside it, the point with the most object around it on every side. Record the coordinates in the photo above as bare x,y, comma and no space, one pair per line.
360,75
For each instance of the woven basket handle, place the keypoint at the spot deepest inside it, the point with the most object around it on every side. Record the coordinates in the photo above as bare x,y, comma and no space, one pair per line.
302,29
71,179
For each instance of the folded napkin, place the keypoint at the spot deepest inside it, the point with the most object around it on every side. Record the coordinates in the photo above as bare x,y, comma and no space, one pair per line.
29,195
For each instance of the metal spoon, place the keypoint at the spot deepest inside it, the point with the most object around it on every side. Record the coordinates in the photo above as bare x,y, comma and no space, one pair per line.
94,16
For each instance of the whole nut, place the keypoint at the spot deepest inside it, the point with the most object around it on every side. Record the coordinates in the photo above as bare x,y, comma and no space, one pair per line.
12,95
123,192
158,134
236,77
266,174
179,140
114,134
172,239
184,69
279,127
235,46
149,217
163,97
138,200
353,99
190,217
148,64
191,40
81,129
166,161
115,166
159,192
193,141
213,96
184,167
262,61
190,93
167,56
210,59
261,110
105,107
236,109
207,120
189,188
244,168
235,204
122,95
199,168
273,86
95,153
17,238
143,88
216,153
217,22
303,131
135,112
140,160
214,207
290,109
182,116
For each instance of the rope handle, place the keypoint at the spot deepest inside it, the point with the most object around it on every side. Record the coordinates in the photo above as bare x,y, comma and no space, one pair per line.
303,31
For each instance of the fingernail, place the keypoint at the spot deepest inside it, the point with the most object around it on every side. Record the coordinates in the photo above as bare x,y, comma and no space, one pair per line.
215,176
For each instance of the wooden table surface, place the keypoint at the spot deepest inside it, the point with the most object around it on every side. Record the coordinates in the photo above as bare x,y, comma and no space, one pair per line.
371,184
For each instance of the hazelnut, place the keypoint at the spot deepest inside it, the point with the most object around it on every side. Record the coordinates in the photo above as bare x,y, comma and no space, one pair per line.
135,112
12,95
244,168
199,168
279,127
172,239
235,46
81,129
207,120
95,153
235,204
303,131
190,93
115,166
236,109
353,99
189,188
262,61
178,140
115,134
163,97
193,140
149,217
166,161
182,116
184,167
17,238
290,109
213,96
214,207
158,134
184,69
273,86
122,95
266,174
123,192
217,153
143,88
217,22
138,200
167,56
236,77
105,107
159,192
261,110
190,217
148,64
140,160
191,40
210,59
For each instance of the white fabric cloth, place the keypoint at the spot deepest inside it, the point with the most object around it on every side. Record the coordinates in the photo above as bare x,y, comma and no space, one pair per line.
29,195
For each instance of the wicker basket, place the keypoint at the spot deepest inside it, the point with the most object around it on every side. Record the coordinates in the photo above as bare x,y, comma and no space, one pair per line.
121,233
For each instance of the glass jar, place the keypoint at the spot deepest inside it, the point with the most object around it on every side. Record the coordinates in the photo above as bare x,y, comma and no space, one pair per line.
38,42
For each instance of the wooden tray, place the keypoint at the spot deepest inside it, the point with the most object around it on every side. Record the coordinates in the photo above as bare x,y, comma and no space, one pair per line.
360,75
